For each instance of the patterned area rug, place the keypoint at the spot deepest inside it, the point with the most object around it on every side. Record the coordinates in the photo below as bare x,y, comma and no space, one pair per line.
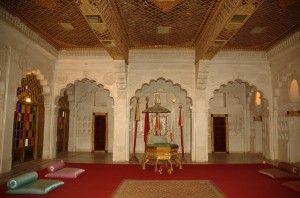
168,188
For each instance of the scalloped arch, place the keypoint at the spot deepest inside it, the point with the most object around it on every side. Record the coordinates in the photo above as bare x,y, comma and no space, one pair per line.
69,87
170,82
43,81
253,90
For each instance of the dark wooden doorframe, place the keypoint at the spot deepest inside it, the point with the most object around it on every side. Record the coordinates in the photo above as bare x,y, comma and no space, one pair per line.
219,133
100,132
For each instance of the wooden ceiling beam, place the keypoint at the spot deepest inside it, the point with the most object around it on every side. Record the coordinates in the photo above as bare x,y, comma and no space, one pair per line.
229,18
213,29
108,29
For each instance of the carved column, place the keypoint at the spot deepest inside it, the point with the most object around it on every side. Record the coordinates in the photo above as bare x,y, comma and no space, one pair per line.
72,128
121,136
200,154
50,125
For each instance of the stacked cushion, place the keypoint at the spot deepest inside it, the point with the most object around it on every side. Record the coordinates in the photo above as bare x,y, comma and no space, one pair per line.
58,170
28,183
288,167
284,171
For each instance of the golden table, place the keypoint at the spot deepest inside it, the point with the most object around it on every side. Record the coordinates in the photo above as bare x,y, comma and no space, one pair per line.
161,152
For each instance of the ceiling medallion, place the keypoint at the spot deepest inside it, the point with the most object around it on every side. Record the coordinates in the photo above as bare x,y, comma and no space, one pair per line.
50,4
166,5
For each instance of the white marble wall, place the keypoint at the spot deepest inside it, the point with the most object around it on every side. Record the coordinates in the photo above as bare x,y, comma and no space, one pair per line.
285,65
22,51
18,56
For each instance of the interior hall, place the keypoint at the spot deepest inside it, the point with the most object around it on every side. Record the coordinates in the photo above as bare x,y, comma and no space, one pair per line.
74,76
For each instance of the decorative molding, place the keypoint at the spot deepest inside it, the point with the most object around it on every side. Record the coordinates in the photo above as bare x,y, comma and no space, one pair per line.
23,63
16,22
283,127
293,113
201,76
82,52
162,53
3,55
61,77
121,80
109,78
4,50
238,54
292,40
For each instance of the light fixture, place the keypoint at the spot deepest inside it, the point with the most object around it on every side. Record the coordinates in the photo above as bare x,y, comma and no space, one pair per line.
163,29
28,100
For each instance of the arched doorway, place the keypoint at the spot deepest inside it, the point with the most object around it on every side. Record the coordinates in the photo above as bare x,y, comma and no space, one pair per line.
28,128
171,96
86,99
245,126
63,124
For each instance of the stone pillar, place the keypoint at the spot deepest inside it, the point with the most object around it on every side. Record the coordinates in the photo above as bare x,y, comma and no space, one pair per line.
247,133
50,126
72,128
121,136
200,137
201,127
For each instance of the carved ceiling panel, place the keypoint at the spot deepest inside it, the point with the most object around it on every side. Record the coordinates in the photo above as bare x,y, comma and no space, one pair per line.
117,26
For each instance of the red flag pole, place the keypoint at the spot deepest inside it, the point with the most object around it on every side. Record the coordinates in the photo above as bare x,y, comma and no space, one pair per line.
137,118
181,133
146,124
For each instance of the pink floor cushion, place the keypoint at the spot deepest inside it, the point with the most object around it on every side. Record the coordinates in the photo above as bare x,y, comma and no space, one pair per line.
276,173
66,173
55,167
294,185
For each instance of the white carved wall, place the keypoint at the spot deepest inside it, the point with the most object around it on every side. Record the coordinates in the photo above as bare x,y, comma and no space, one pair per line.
169,72
167,90
231,102
89,99
19,55
285,66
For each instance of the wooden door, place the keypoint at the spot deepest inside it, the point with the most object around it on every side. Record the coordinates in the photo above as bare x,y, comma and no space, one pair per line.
219,133
100,132
28,128
62,130
25,133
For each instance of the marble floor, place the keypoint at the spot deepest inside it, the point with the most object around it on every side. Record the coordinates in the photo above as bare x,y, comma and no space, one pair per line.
101,157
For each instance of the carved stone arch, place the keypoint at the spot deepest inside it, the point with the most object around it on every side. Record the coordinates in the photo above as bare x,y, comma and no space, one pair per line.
285,82
168,82
290,78
69,88
43,81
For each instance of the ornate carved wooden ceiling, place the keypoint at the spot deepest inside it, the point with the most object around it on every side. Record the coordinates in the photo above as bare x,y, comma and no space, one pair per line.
119,25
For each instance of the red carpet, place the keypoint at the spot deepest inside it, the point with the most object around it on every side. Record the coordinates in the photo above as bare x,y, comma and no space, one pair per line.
101,180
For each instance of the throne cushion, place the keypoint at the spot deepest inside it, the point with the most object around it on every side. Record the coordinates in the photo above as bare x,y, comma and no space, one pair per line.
152,139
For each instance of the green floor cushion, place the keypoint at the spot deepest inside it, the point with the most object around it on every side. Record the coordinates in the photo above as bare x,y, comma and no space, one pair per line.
38,187
29,183
22,180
